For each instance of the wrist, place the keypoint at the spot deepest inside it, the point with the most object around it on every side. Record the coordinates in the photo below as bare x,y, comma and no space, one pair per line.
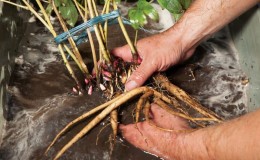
193,145
187,34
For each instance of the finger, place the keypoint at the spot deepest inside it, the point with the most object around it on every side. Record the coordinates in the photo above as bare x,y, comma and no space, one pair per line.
188,54
146,137
166,120
140,75
123,52
138,134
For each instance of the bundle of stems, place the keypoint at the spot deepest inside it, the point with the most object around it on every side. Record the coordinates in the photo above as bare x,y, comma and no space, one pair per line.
106,70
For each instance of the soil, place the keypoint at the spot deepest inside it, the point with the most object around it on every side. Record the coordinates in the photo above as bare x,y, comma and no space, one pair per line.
41,103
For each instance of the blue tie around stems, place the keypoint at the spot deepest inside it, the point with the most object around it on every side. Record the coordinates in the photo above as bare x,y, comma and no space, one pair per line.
99,19
110,17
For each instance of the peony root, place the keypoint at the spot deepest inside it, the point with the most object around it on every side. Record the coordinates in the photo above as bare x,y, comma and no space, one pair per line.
162,100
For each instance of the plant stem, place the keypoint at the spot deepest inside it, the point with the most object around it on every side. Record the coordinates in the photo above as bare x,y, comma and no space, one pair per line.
92,46
106,10
47,19
69,67
79,10
72,43
94,55
103,50
37,15
136,35
73,57
55,34
50,28
129,42
15,4
99,25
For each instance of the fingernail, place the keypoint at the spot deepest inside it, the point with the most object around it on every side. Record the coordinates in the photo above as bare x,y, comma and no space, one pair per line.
130,85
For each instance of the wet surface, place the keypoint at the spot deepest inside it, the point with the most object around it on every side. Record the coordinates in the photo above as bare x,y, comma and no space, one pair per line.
40,102
213,76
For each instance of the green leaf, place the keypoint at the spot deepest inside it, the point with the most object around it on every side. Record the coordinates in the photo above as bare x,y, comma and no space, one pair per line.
69,13
185,3
177,16
148,9
172,6
137,17
57,3
118,1
49,9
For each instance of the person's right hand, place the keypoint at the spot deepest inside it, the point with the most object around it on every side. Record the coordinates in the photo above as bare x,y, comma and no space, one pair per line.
158,53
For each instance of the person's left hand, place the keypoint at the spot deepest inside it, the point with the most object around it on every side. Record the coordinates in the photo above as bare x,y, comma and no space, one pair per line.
162,143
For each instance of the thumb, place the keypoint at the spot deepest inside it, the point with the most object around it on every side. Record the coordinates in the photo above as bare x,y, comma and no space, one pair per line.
140,75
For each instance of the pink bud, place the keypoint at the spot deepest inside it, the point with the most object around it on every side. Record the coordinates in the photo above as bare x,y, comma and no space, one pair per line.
106,78
94,75
86,81
139,60
80,93
107,74
115,63
75,90
90,90
102,87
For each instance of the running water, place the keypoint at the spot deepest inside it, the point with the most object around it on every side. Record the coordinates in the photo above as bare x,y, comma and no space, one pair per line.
40,102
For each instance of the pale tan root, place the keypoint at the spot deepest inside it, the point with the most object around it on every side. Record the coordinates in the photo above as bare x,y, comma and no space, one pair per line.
140,103
82,117
175,104
114,125
114,122
146,111
183,96
103,114
100,132
169,110
170,100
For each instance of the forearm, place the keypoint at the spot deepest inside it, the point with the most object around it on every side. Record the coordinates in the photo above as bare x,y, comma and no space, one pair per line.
205,17
236,139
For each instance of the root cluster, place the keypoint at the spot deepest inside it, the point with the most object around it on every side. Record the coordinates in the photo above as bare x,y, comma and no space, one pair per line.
170,103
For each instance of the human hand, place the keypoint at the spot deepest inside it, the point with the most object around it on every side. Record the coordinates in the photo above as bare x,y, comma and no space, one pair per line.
158,53
145,136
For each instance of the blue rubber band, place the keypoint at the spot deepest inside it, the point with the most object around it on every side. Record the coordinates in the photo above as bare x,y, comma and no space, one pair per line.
83,37
99,19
